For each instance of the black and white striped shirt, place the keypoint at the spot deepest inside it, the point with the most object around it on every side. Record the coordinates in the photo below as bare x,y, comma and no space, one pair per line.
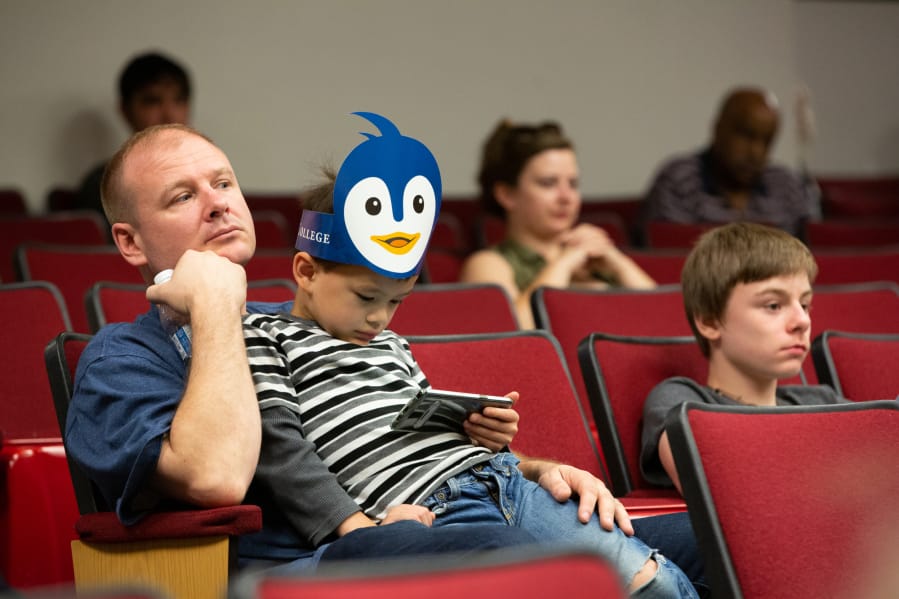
345,396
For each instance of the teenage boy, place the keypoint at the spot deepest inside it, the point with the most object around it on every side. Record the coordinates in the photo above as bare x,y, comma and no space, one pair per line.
747,293
331,373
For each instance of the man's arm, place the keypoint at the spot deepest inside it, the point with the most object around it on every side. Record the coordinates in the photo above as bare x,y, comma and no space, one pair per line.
210,454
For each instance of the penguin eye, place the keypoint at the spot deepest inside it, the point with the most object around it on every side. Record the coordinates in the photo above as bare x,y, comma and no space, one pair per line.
418,204
373,206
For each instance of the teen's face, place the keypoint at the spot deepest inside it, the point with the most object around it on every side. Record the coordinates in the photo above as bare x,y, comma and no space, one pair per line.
352,303
185,196
547,196
766,327
160,103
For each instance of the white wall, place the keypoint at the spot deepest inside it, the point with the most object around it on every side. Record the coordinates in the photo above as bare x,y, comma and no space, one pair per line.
848,52
631,80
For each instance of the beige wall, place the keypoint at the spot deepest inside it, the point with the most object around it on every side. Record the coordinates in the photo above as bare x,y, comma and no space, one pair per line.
631,80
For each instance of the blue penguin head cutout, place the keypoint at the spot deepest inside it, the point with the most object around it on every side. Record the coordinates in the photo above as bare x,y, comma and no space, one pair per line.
386,201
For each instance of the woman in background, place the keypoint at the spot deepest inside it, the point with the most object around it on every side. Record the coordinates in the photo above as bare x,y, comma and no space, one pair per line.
529,176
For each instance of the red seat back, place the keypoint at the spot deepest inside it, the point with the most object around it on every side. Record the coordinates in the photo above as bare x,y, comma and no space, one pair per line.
83,227
38,504
553,424
619,372
74,270
272,230
525,573
861,308
862,265
269,263
861,367
572,314
31,314
441,266
865,233
288,204
455,309
664,266
795,473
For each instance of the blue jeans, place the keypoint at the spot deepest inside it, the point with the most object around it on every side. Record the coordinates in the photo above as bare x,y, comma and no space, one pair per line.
672,535
496,492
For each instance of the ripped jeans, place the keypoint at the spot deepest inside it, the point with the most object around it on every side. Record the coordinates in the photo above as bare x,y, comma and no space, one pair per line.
496,492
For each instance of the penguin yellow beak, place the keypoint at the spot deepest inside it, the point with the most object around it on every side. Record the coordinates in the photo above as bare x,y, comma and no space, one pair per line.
397,243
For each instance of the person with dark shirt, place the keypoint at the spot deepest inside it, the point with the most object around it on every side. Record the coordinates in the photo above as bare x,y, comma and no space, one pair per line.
153,90
732,179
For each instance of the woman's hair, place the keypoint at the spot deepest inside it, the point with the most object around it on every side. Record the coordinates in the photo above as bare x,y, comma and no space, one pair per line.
737,253
507,151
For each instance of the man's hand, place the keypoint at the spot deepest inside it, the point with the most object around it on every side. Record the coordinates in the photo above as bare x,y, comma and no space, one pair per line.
202,277
563,482
494,428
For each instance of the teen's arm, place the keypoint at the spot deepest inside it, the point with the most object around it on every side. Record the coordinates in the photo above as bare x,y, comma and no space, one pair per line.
667,459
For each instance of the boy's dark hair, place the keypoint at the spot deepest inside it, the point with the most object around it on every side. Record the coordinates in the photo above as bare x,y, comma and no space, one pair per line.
320,198
149,68
507,151
733,254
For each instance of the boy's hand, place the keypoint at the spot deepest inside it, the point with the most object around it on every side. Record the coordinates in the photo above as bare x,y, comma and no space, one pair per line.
408,511
494,428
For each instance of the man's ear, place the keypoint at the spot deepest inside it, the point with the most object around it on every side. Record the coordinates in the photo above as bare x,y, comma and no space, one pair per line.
708,327
127,239
304,269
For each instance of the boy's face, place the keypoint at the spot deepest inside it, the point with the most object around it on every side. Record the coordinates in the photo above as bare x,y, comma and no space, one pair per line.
764,332
351,302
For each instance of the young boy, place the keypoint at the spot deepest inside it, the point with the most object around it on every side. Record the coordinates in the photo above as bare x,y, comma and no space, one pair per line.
340,377
747,293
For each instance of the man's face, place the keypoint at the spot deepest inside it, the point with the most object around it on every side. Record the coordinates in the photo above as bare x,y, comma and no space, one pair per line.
353,303
743,139
161,103
185,195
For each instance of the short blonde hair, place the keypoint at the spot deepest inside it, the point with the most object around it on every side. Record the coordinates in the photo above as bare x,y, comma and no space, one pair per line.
118,203
733,254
